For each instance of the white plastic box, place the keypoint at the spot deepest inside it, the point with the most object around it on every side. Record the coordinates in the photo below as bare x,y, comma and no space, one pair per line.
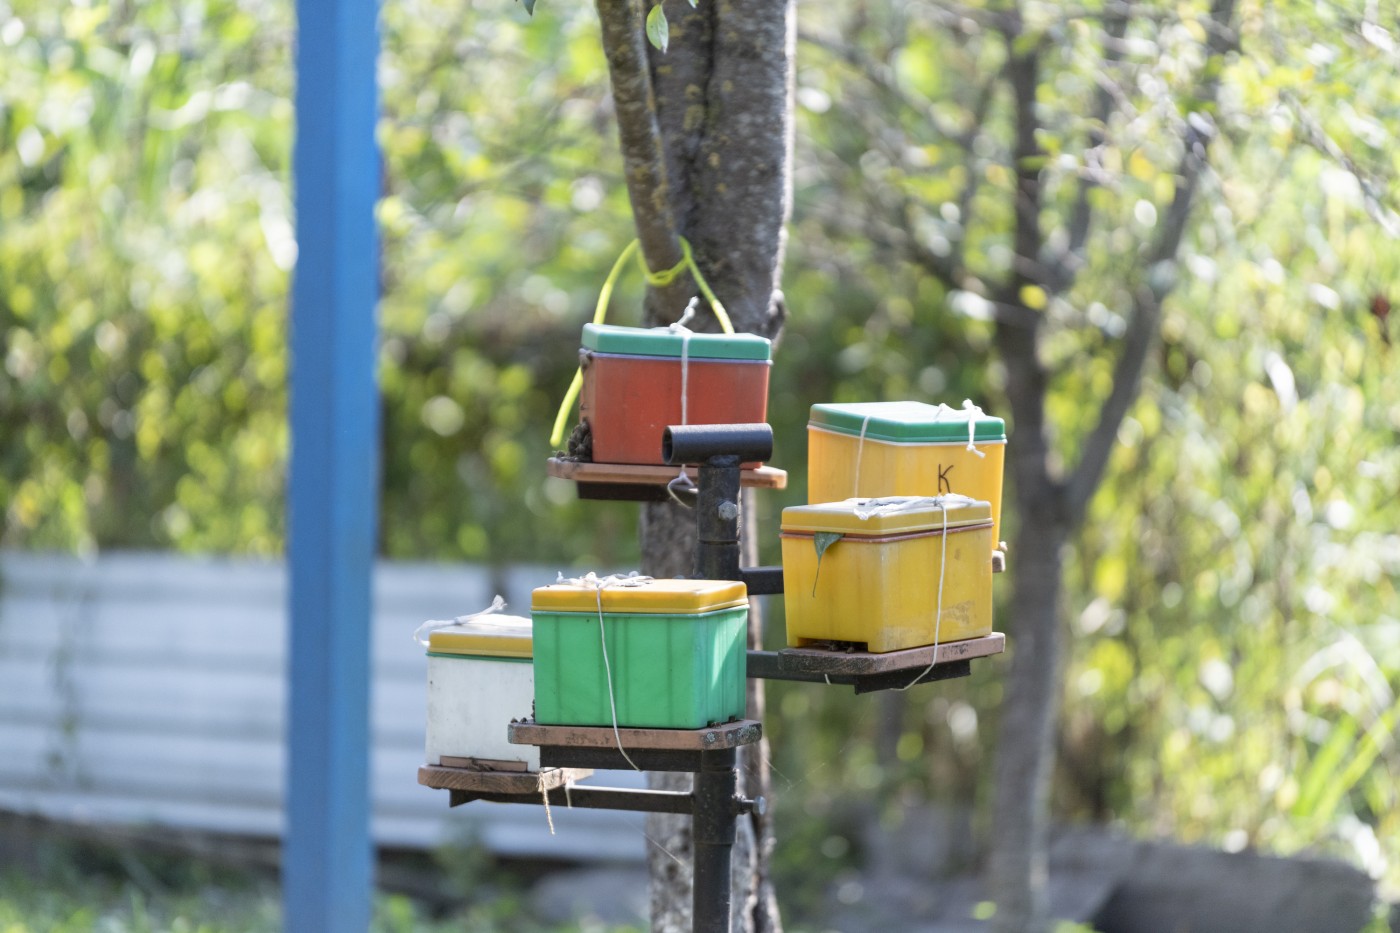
480,677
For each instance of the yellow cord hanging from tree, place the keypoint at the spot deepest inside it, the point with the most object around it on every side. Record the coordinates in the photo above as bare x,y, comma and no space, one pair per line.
655,279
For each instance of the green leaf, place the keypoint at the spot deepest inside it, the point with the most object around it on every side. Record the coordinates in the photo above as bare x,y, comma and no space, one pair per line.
658,30
529,6
822,540
694,4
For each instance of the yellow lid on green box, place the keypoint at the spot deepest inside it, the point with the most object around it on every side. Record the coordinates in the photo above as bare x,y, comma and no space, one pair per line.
888,515
500,637
640,595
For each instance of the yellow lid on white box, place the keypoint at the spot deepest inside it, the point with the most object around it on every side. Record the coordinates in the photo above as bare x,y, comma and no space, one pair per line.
493,636
639,594
888,515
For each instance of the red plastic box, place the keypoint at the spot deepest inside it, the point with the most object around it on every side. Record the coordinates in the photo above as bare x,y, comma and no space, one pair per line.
630,398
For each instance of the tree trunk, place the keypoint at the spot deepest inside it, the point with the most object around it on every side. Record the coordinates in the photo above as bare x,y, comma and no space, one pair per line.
706,135
1024,766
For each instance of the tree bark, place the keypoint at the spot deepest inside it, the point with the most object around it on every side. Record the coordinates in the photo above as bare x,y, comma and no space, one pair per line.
706,137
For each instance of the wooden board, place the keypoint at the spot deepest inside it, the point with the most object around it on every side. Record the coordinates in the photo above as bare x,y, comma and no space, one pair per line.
827,661
499,782
634,474
729,735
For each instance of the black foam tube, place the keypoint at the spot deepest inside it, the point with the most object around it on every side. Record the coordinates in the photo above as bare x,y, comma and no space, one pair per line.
697,443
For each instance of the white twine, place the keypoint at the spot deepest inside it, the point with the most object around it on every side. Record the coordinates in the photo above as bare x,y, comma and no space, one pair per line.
892,505
549,817
866,509
938,614
598,583
860,449
483,617
679,327
973,413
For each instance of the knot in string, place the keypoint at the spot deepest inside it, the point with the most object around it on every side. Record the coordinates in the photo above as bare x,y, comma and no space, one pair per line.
972,412
592,581
483,617
890,505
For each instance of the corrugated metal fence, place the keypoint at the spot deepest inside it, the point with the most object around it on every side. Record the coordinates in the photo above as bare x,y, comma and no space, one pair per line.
151,689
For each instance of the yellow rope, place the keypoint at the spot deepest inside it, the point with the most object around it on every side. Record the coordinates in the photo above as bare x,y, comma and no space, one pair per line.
655,279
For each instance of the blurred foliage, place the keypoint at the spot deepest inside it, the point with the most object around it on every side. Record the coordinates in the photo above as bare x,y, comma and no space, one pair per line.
1236,653
1235,665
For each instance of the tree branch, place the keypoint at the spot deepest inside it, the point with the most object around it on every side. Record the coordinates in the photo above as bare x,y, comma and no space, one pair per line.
1143,325
639,136
882,78
971,164
1067,264
1026,378
1372,192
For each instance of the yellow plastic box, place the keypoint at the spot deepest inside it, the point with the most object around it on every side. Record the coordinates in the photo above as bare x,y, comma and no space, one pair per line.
905,449
890,573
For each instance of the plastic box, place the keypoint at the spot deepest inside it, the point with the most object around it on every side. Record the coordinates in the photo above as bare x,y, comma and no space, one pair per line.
479,679
632,386
877,581
675,648
909,449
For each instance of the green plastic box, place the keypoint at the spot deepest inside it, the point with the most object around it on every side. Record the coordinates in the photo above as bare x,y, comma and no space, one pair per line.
674,665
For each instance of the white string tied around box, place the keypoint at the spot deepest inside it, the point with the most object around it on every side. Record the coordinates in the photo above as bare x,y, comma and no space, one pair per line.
484,617
973,412
860,449
679,327
892,505
592,581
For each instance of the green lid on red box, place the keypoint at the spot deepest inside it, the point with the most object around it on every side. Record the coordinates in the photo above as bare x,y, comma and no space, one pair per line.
661,341
907,422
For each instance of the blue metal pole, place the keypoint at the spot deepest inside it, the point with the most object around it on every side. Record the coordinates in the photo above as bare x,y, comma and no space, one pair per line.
327,864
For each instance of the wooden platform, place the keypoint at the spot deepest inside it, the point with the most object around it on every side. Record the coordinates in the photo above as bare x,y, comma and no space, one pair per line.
835,660
643,481
711,738
646,749
498,782
842,665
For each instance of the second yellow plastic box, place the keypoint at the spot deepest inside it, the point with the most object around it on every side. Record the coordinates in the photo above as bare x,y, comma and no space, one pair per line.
875,581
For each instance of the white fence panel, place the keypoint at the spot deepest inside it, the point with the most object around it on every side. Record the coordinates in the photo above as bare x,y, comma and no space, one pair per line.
150,689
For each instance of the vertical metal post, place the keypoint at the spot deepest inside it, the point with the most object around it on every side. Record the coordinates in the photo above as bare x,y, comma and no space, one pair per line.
716,785
717,514
327,861
716,558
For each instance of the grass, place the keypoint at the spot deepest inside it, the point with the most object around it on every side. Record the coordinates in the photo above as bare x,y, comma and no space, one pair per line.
55,883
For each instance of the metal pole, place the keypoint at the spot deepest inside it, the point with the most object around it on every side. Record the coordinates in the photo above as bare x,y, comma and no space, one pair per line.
716,785
717,514
327,859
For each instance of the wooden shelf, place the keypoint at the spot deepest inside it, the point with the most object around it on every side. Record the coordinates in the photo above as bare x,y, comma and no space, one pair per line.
824,660
647,749
711,738
498,782
644,481
867,671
